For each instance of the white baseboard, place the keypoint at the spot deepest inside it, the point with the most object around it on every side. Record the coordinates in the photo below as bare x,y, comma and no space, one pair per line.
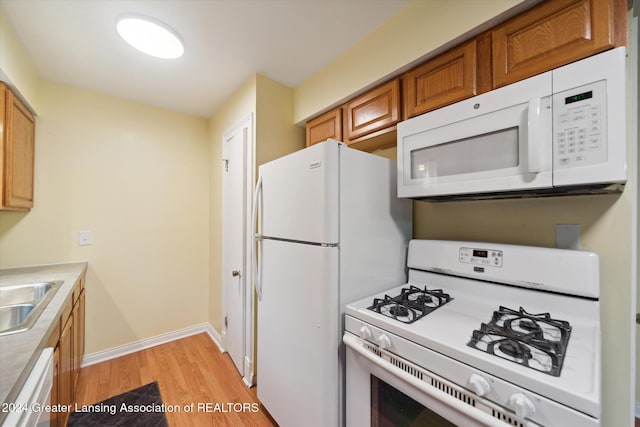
248,379
637,409
215,336
123,350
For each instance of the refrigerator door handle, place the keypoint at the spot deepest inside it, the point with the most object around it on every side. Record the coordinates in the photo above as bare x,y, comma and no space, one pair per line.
257,240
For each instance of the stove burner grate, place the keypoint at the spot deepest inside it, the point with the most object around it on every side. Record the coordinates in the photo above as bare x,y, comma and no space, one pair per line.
533,340
411,304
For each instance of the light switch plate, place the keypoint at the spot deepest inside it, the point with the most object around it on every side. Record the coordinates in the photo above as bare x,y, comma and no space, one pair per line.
568,236
85,238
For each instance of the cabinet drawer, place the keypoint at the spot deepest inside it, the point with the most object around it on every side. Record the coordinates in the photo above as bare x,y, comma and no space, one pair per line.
373,111
553,34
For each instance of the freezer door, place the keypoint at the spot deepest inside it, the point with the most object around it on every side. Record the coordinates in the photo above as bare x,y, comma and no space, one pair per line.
299,196
298,334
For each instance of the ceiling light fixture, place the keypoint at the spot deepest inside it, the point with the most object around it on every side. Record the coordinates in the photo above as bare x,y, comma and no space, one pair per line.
150,36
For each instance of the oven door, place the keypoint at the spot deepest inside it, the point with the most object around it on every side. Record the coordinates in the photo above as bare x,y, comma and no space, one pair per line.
380,394
495,142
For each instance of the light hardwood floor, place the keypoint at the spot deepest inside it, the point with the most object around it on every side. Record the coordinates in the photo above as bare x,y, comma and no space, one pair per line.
189,370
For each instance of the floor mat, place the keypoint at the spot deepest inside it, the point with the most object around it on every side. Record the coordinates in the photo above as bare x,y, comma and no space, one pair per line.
140,407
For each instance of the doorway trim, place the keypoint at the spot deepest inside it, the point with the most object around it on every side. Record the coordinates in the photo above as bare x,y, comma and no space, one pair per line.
247,126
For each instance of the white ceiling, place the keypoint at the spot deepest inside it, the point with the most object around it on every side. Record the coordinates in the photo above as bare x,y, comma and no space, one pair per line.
74,42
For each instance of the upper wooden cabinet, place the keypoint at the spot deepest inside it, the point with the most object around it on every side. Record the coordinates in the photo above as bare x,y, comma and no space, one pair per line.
17,139
328,125
553,34
549,35
459,73
373,111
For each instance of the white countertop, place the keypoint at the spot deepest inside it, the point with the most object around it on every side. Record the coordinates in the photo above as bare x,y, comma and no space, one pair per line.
19,351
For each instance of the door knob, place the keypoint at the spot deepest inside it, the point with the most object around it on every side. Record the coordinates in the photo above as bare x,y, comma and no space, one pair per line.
235,273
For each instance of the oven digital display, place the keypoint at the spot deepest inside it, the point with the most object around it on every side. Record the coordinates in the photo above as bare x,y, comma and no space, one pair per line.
481,257
579,97
480,253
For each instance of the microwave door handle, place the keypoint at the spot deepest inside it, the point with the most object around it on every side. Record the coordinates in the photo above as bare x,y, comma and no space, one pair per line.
533,136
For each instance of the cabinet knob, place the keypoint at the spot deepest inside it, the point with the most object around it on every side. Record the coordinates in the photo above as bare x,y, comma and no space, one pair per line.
235,273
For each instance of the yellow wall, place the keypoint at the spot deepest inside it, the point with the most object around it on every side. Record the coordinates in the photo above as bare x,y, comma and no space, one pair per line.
138,178
15,67
239,106
419,28
275,135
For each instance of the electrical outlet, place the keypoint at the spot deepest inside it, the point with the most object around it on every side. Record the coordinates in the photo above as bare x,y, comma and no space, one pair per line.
85,238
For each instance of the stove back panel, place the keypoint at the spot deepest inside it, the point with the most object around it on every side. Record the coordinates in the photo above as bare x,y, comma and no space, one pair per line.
558,270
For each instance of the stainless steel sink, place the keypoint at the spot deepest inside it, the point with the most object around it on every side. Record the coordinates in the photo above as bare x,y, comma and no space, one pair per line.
14,315
21,305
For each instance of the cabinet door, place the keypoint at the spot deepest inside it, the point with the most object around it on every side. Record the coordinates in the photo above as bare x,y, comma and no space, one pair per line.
448,78
53,343
54,417
78,328
373,111
18,139
554,34
328,125
65,375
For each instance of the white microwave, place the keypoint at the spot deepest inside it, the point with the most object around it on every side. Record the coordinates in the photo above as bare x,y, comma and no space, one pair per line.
560,132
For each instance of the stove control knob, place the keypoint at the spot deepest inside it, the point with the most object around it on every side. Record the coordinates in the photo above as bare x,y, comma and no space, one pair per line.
384,342
521,405
365,332
479,385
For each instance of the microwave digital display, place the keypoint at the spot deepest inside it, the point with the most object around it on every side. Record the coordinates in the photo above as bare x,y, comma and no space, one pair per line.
579,97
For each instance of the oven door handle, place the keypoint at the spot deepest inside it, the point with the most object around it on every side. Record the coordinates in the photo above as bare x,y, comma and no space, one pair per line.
485,419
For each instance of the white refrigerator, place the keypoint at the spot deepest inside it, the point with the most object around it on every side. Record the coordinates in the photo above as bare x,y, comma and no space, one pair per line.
330,231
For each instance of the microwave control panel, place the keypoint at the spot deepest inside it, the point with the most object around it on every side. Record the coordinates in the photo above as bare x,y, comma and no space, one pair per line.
481,257
579,126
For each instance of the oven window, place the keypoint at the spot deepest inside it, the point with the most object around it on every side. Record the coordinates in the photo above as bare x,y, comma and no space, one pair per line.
392,408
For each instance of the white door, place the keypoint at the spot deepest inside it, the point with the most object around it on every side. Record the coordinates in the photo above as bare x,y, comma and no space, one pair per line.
234,243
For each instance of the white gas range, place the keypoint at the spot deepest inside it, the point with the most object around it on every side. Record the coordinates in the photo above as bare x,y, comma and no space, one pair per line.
481,335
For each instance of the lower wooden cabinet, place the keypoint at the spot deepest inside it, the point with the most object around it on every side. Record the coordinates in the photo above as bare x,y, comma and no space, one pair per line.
68,342
55,419
78,344
65,368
